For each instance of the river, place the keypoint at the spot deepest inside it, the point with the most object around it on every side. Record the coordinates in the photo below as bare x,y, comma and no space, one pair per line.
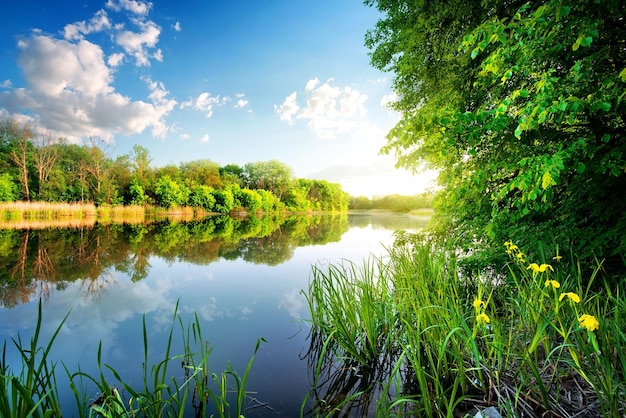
242,278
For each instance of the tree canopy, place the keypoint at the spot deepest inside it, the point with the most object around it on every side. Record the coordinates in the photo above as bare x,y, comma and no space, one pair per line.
42,169
520,106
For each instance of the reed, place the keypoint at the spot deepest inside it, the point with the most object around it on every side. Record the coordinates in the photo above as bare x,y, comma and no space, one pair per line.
33,391
46,210
534,341
132,214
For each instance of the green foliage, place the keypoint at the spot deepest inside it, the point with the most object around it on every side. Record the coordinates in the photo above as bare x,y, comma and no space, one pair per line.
8,189
202,197
272,175
250,200
517,341
521,109
170,193
137,194
396,203
62,172
224,200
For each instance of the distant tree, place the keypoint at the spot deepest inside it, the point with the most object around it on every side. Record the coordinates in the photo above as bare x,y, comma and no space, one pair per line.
273,176
171,193
296,197
231,173
21,151
224,201
98,166
137,193
202,197
250,200
45,156
141,160
204,172
8,189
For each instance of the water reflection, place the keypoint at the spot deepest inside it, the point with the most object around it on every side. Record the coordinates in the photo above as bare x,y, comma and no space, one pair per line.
32,262
243,278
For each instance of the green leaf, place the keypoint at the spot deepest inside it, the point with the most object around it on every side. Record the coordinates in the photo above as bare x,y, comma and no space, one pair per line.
606,106
580,168
586,41
622,75
546,180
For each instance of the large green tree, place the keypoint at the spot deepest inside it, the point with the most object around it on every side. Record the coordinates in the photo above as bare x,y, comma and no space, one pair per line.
520,106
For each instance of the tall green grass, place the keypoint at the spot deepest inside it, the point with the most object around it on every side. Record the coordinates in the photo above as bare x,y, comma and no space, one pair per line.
524,341
33,391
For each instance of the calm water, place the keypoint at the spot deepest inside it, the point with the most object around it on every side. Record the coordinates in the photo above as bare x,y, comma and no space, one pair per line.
242,278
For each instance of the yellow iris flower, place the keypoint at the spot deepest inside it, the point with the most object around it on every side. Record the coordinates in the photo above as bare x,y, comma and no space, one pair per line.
589,321
553,283
482,318
571,295
478,303
536,268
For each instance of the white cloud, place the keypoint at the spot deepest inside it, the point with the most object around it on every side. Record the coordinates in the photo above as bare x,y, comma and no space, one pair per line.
137,44
177,27
241,101
389,98
140,8
310,85
115,60
6,84
205,138
77,30
205,103
289,108
329,109
69,92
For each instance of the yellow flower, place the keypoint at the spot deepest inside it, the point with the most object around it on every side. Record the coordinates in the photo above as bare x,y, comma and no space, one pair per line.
553,283
571,295
589,321
482,318
510,246
536,268
557,257
478,303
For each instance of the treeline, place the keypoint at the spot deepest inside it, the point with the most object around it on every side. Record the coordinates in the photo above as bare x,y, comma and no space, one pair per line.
40,168
394,202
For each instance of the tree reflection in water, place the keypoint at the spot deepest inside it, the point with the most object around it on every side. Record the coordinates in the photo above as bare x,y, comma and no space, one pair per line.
35,260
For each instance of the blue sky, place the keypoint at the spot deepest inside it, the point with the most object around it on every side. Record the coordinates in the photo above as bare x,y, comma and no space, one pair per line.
229,81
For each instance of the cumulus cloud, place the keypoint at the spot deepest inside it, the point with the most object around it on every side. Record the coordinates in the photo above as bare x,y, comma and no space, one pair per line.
140,8
205,103
241,101
177,27
205,138
78,30
69,81
138,44
329,109
289,108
